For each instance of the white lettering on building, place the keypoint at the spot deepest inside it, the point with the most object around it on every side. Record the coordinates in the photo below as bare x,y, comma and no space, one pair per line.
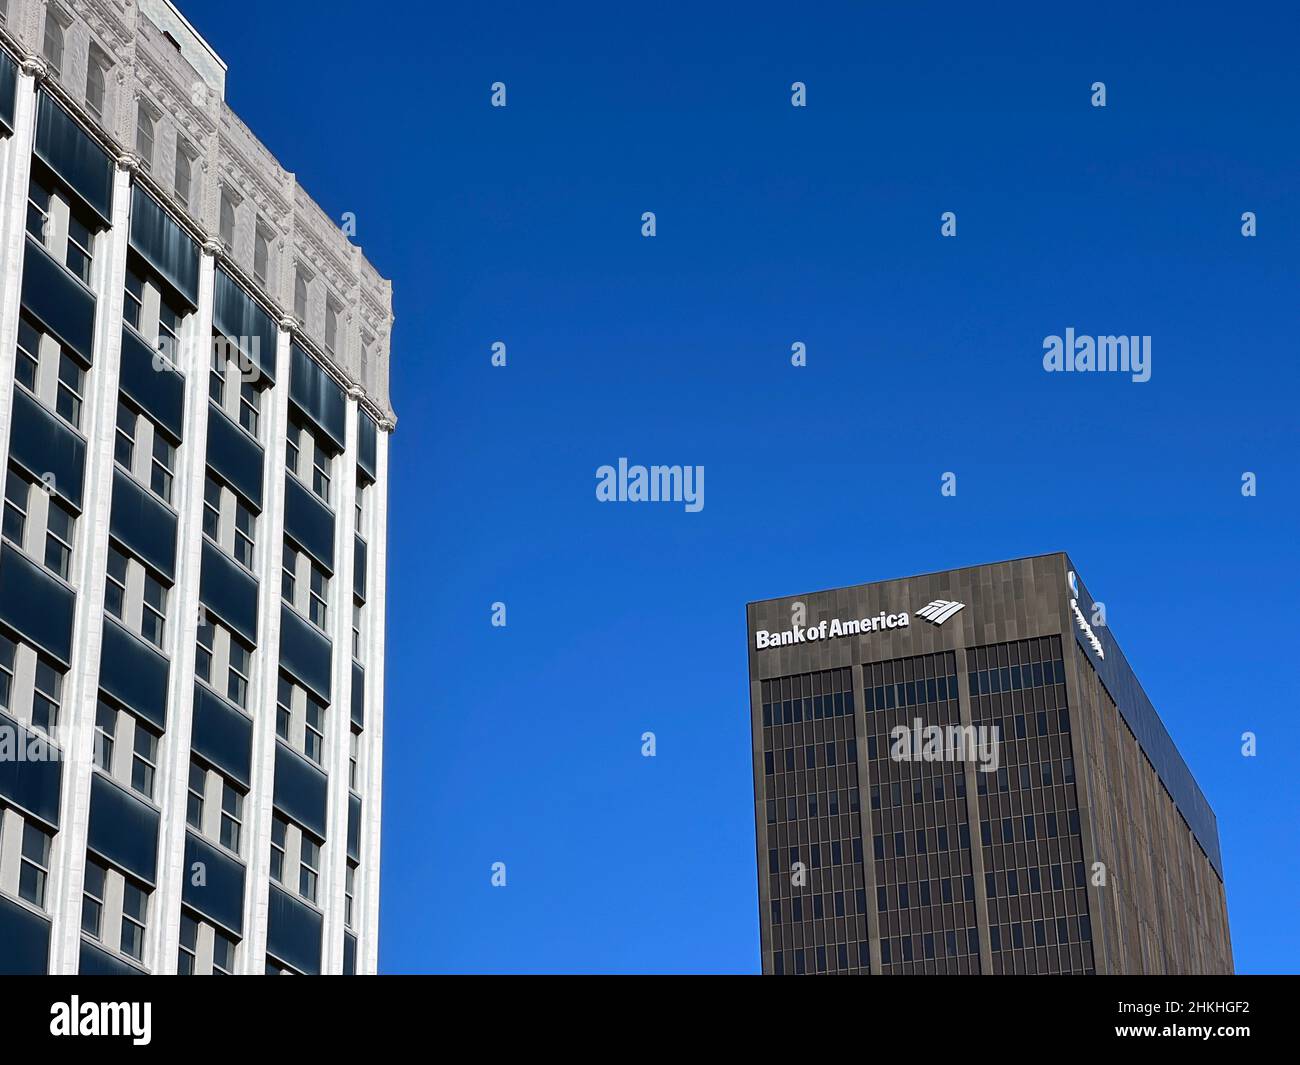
830,630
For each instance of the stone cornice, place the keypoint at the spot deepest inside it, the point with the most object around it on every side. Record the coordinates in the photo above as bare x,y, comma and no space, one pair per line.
197,123
243,168
227,152
104,20
375,314
310,228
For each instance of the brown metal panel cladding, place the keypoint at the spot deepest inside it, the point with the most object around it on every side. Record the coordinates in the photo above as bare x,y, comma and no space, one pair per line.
1161,909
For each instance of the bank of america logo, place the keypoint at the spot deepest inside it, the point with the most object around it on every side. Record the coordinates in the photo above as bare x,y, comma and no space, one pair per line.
940,610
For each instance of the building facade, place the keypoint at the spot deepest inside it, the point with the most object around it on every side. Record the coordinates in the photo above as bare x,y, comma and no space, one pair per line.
194,426
959,773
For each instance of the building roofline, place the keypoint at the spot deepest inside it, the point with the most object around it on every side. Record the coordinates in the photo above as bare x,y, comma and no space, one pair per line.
911,577
198,37
373,395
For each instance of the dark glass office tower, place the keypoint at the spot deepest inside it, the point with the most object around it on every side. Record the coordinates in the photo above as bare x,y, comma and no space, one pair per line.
960,773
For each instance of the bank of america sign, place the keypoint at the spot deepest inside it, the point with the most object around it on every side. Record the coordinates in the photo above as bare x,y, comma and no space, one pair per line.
940,610
936,613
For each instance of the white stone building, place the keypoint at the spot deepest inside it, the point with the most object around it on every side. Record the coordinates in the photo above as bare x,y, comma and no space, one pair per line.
194,423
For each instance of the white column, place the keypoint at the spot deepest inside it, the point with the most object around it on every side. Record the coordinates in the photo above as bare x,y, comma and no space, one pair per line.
335,852
182,629
270,544
15,175
372,762
90,549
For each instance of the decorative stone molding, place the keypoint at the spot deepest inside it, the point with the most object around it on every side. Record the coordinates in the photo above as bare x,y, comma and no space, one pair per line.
147,66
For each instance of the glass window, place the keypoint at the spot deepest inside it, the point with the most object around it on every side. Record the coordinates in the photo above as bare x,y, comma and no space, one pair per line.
244,524
223,954
80,253
58,538
203,650
52,47
124,450
289,574
169,332
153,615
309,871
320,483
133,301
7,652
17,491
292,445
317,605
134,906
250,402
184,174
29,350
217,376
47,696
198,785
187,958
284,707
92,898
240,670
144,760
261,254
314,740
212,508
38,211
105,735
279,834
227,220
144,136
232,814
164,462
349,890
34,864
96,87
71,384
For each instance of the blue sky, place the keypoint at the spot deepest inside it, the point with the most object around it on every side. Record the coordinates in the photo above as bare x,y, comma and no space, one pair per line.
777,225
